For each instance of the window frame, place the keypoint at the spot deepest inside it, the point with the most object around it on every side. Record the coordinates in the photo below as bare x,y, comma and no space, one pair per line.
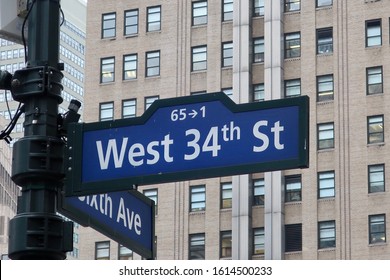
289,5
227,54
258,186
293,237
101,249
126,255
292,50
108,62
227,10
127,69
149,22
326,234
326,94
375,186
258,50
199,6
148,100
371,231
370,126
373,24
102,110
321,140
374,72
225,248
293,194
327,176
150,68
129,16
153,195
196,245
318,5
126,107
109,28
226,195
324,42
258,91
291,86
195,191
258,8
200,51
258,241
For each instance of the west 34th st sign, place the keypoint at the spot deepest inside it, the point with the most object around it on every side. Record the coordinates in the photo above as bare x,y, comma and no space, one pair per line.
187,138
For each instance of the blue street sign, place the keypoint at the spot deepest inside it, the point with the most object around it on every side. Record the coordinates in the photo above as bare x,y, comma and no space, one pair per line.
126,217
188,138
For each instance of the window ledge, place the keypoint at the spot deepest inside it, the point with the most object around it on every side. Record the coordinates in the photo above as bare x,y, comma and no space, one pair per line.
328,7
326,54
377,244
381,144
292,59
130,36
294,202
153,77
109,39
197,213
375,47
106,84
326,150
330,249
325,102
326,199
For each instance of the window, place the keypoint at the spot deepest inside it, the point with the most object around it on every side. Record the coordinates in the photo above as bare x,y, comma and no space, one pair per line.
197,198
106,111
258,192
197,247
226,195
199,58
326,184
131,22
107,70
325,136
226,244
377,228
376,178
258,241
108,25
199,13
102,250
153,195
375,130
129,108
293,237
292,88
152,63
258,92
258,8
325,40
373,33
293,188
227,10
149,101
325,88
374,80
154,19
292,45
227,54
130,67
292,5
124,253
326,234
258,49
324,3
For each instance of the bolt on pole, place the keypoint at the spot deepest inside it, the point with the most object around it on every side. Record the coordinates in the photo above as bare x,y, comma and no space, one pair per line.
37,232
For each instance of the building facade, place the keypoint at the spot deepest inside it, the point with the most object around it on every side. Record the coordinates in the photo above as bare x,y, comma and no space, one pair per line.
256,50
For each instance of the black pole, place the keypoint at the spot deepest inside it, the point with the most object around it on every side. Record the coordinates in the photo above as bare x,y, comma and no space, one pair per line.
37,232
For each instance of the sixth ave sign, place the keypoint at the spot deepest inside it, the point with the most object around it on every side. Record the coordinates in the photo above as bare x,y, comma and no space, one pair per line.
187,138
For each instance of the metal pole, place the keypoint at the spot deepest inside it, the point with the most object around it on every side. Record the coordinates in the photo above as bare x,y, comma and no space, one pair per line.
37,232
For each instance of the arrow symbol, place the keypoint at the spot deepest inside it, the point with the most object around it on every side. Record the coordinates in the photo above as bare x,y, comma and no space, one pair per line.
193,114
